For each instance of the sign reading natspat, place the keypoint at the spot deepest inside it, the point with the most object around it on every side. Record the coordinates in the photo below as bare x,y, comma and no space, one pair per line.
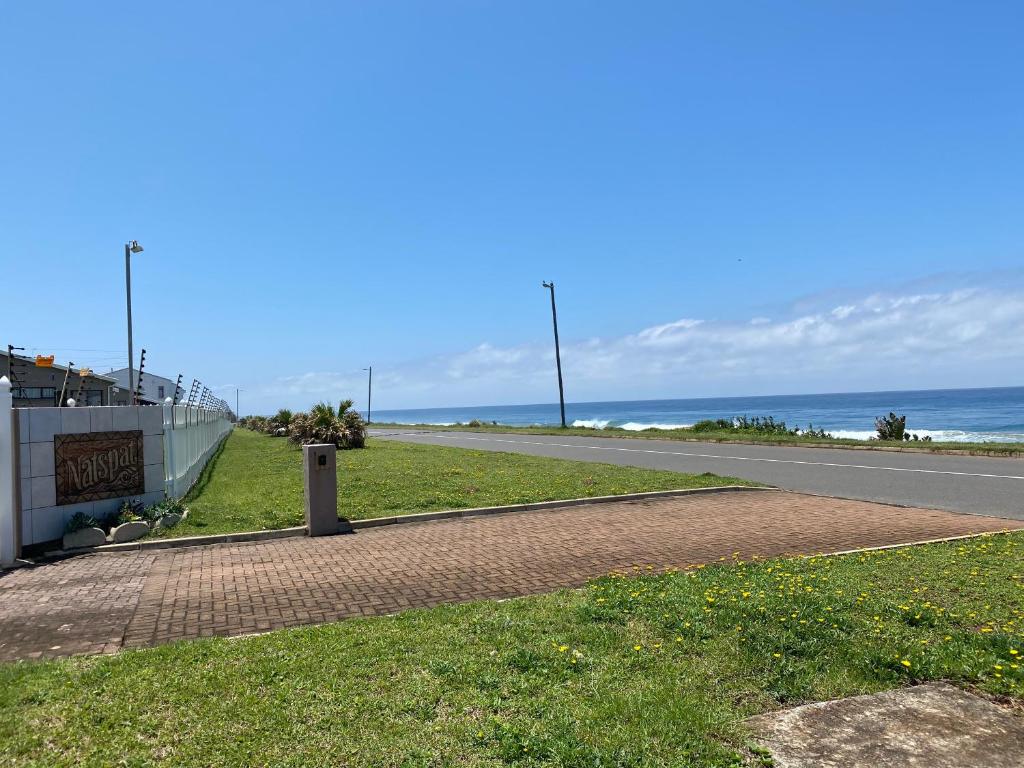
98,465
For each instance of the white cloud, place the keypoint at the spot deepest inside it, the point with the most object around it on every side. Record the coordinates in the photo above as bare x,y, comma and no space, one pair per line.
963,337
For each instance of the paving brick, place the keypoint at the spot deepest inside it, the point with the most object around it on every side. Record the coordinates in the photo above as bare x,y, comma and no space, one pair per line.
101,602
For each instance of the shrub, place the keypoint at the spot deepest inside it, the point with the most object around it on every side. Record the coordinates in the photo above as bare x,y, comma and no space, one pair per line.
153,512
713,425
79,521
258,423
130,511
174,507
323,424
892,427
757,425
283,418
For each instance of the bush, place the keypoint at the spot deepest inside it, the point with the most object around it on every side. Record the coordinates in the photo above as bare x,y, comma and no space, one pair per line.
129,512
343,427
80,521
713,425
757,425
154,512
892,427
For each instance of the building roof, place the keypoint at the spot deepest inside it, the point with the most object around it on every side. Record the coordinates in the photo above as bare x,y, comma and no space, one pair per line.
121,377
32,361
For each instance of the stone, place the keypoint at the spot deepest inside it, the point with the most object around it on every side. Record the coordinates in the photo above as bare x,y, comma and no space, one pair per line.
168,520
935,725
84,537
128,532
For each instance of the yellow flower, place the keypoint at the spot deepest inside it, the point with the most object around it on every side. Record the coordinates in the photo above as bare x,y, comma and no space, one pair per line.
563,648
636,647
905,663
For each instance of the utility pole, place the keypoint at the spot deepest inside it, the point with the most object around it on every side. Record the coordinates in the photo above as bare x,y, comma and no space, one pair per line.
558,354
369,393
129,249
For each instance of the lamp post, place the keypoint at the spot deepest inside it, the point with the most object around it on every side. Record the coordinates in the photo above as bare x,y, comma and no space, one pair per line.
237,414
369,393
129,249
558,354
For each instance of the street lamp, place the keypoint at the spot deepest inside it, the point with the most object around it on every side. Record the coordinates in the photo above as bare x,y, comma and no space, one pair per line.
129,249
558,354
369,392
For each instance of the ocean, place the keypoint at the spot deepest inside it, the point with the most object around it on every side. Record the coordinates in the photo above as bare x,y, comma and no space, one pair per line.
968,415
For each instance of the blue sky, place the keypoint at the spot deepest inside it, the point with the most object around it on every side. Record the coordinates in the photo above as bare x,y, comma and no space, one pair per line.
319,187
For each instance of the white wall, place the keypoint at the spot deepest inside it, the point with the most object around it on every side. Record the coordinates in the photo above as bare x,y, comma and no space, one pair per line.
41,518
191,435
177,443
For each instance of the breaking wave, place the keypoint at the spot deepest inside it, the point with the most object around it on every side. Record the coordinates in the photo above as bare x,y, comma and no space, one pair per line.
937,435
633,426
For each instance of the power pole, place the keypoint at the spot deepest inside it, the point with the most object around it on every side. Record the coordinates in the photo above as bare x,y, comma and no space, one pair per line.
558,353
369,394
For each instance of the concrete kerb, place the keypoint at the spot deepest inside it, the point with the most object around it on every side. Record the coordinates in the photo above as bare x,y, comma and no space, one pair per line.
345,526
541,505
903,448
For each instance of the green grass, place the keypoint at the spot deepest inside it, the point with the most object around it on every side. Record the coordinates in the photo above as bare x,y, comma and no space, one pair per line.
649,669
255,482
730,436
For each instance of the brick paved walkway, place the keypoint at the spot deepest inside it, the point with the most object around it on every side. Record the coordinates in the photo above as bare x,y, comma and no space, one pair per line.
99,603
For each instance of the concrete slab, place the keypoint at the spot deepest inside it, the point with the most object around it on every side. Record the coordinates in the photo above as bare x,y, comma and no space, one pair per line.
935,725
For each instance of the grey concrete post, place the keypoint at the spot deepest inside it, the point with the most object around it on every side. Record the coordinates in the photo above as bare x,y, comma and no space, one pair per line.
320,481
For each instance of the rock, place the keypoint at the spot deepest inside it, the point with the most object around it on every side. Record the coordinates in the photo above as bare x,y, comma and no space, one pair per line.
281,432
168,521
84,537
934,724
129,532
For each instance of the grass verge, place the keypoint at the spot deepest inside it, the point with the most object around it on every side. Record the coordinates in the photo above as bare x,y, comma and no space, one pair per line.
643,669
744,436
255,482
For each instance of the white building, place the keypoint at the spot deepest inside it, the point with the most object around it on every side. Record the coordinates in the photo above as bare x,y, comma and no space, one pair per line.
154,388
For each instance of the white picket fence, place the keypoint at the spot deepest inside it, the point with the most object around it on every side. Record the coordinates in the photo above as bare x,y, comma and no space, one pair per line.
191,435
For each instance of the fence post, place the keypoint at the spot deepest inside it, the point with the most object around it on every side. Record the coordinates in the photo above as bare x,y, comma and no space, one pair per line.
170,468
8,493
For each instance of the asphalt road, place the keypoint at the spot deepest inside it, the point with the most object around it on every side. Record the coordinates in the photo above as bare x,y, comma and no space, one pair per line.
974,484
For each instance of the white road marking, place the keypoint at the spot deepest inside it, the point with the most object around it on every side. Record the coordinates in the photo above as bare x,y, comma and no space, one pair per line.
715,456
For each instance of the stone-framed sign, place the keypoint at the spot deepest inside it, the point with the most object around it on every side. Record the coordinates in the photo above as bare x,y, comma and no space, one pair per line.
98,465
